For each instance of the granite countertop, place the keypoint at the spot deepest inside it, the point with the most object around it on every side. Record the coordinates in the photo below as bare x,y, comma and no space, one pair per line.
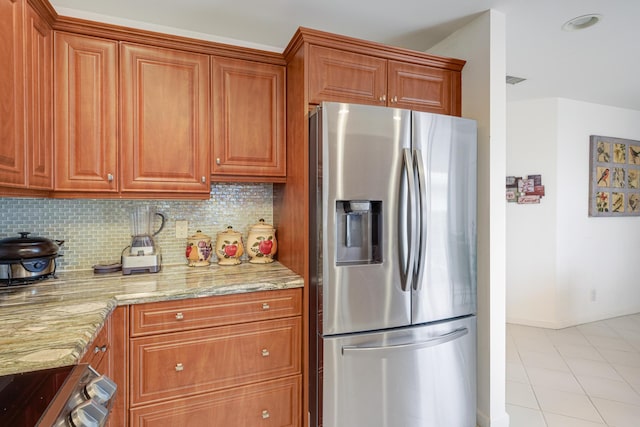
49,324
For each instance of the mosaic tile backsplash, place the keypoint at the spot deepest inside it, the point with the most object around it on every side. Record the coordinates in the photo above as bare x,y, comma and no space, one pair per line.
97,231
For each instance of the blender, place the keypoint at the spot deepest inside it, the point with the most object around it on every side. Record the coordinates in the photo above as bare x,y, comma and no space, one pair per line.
143,255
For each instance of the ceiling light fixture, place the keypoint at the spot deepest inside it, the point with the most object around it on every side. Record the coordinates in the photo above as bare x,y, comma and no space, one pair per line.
512,80
582,22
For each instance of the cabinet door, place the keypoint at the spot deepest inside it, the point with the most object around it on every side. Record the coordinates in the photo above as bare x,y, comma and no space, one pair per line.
86,94
177,364
39,101
12,155
423,88
269,404
165,120
248,120
336,75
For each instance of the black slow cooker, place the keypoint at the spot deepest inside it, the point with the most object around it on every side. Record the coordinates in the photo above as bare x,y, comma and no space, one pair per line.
27,258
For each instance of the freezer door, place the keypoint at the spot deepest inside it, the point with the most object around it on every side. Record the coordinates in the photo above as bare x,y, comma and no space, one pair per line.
445,159
360,181
422,376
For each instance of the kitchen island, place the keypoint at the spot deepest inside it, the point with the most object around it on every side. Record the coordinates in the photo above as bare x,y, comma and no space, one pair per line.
50,323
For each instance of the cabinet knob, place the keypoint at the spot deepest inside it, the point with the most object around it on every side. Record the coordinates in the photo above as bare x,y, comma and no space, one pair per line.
383,98
265,306
394,99
109,177
99,349
179,367
265,414
203,179
179,316
217,160
265,352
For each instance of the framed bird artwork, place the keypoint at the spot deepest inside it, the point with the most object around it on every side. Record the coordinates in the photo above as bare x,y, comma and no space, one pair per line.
614,176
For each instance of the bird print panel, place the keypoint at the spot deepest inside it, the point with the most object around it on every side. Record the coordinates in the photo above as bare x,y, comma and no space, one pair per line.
614,173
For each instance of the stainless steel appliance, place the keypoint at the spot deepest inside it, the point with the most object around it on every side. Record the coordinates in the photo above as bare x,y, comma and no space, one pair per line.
144,255
393,268
24,258
70,396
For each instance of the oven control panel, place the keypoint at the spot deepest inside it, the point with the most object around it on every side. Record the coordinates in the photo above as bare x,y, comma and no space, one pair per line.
84,400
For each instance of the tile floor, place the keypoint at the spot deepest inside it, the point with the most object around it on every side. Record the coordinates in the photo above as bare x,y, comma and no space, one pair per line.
583,376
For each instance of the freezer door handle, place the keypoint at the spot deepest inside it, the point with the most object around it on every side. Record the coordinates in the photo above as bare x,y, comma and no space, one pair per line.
408,213
387,349
422,219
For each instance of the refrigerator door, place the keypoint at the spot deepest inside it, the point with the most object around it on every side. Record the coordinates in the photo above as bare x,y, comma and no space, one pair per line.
360,178
421,376
445,161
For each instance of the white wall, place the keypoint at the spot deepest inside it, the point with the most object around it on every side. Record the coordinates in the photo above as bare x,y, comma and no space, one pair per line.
531,229
482,44
574,254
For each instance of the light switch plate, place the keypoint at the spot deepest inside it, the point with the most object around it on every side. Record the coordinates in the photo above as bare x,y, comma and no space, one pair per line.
182,228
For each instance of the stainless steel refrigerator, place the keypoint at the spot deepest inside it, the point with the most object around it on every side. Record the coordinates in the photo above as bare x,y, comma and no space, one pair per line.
393,268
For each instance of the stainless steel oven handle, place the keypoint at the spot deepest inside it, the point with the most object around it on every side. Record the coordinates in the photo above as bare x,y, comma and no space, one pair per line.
442,339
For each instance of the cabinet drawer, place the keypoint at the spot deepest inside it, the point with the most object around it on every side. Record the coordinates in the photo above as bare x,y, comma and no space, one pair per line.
184,363
269,404
183,315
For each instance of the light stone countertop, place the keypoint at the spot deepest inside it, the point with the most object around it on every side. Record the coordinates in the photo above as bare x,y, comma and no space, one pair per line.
49,323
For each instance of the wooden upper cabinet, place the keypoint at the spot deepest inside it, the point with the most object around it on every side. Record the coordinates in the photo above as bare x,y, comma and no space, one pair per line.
12,150
165,120
248,121
337,75
423,88
39,101
346,76
86,102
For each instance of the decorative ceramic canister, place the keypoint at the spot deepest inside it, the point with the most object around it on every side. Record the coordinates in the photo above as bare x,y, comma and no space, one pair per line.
229,247
261,243
199,249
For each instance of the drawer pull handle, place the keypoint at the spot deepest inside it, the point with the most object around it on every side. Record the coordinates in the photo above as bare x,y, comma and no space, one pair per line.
265,306
265,414
265,352
99,349
179,367
179,316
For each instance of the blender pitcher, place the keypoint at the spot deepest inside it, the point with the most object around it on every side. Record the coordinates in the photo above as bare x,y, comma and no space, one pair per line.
142,222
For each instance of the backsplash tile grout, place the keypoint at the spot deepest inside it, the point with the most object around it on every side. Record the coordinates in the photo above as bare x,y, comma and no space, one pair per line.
97,231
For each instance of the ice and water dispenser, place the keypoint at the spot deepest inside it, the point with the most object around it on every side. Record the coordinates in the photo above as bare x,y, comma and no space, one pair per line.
359,232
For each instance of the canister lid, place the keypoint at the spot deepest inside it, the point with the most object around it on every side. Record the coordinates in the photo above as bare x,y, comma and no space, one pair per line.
261,226
229,231
200,236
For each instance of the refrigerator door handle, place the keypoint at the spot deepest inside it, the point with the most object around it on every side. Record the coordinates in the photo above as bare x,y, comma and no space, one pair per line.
387,349
422,220
409,213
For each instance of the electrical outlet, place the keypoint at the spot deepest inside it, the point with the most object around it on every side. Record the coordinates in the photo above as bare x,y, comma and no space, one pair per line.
592,295
182,229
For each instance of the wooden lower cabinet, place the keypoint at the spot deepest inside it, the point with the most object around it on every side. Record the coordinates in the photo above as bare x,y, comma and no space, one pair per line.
230,360
197,361
107,354
270,404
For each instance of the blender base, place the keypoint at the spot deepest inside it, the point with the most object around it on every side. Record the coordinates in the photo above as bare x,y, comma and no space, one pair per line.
141,263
